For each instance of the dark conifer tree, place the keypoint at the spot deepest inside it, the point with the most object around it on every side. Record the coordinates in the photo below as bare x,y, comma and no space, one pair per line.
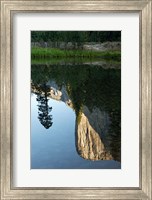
43,108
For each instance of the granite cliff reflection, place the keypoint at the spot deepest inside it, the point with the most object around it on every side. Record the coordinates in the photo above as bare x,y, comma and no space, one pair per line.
93,92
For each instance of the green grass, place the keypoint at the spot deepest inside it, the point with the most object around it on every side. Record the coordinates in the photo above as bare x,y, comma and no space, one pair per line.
56,61
58,53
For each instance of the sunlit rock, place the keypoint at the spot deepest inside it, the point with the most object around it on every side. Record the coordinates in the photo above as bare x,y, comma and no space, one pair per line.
90,133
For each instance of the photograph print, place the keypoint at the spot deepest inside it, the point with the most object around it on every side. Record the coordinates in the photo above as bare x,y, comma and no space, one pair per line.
75,99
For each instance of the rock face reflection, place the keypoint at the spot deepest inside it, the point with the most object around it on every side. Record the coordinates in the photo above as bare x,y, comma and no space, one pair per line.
97,107
90,134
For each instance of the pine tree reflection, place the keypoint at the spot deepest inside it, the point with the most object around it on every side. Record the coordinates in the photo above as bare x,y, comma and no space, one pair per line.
43,108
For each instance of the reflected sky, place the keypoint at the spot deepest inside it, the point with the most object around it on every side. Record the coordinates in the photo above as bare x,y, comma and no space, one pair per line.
55,148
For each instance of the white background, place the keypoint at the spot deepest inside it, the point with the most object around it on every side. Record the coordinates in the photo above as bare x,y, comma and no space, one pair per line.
128,175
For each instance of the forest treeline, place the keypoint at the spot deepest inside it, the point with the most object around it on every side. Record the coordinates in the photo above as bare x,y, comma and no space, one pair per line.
75,36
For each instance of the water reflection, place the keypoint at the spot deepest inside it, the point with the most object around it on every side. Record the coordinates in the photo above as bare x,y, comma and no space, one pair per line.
94,93
43,92
90,132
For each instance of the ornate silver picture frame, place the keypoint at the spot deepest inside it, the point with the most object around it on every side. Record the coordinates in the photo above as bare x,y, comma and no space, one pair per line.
8,9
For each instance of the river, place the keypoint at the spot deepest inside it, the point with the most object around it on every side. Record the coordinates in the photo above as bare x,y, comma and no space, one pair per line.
75,116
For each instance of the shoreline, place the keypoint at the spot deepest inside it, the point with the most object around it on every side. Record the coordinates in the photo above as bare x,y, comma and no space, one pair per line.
39,52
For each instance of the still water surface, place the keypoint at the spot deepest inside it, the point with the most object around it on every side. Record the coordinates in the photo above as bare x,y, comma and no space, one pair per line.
75,117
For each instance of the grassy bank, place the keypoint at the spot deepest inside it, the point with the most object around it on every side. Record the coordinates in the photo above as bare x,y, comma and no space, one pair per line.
76,60
58,53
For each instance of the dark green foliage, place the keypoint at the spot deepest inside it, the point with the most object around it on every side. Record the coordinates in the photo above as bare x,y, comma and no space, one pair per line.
114,135
75,36
87,85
